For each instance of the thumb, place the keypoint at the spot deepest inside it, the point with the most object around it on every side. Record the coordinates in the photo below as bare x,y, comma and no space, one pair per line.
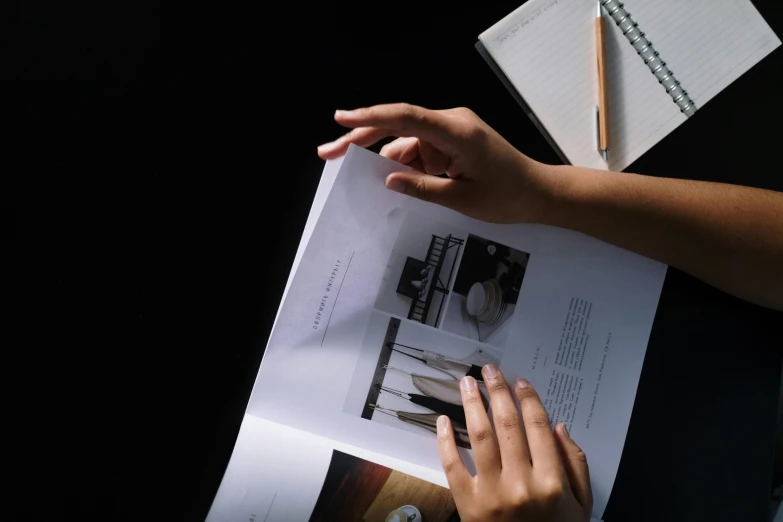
575,463
442,191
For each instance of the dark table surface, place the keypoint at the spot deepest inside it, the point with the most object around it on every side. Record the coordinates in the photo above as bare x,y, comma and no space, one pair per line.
206,167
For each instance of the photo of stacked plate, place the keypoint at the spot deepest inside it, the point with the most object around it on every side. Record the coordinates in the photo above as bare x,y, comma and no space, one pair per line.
485,302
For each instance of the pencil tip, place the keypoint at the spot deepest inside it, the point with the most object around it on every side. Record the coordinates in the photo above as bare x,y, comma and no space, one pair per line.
606,154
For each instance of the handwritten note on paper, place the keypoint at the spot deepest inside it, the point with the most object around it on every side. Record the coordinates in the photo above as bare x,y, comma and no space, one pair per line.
514,29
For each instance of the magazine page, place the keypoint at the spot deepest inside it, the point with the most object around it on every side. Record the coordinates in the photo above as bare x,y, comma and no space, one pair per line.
319,200
395,299
280,474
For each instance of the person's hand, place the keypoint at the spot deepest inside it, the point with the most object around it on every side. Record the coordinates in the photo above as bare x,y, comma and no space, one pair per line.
525,475
488,179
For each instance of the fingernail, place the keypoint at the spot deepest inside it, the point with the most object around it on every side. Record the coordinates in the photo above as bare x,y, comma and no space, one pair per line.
468,383
522,384
396,185
490,371
339,113
325,146
443,424
565,431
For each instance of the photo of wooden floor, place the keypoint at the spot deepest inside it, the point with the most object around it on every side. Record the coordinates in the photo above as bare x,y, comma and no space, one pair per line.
356,490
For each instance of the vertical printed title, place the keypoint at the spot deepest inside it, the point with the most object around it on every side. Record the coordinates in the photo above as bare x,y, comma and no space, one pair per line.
328,292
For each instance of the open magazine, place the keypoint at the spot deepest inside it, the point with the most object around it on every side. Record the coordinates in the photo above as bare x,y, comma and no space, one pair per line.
390,302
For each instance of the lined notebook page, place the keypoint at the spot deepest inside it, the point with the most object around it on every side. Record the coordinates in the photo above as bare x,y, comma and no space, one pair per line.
706,43
546,48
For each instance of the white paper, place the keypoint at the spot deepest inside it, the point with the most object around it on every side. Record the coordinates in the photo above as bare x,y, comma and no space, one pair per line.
578,295
276,473
706,43
321,193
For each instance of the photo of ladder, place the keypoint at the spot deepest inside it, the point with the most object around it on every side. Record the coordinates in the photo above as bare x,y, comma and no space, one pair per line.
436,255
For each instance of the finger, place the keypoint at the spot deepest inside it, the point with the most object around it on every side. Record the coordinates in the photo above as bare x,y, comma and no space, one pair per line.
402,150
443,191
482,437
514,453
363,137
457,474
416,164
575,463
543,451
406,120
434,161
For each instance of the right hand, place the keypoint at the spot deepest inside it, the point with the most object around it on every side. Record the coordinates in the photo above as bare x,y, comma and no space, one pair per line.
488,178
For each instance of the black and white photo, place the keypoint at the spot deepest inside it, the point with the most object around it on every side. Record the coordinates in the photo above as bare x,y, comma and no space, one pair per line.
485,291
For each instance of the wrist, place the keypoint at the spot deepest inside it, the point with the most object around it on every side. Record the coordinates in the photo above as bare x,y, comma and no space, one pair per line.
571,193
559,191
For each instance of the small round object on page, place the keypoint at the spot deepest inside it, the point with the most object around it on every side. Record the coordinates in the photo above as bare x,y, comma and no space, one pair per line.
404,514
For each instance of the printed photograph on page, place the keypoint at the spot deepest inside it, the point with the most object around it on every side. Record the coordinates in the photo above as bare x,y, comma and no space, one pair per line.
357,490
409,374
445,278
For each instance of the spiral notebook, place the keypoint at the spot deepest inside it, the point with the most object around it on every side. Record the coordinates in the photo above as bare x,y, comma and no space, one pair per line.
665,60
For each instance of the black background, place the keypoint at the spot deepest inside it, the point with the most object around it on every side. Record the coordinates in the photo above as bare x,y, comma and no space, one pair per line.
160,196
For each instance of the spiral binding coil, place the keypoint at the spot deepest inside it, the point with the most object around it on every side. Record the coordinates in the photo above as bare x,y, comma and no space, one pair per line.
644,48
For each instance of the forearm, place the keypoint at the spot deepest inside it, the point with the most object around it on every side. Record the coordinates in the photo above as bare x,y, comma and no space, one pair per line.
727,235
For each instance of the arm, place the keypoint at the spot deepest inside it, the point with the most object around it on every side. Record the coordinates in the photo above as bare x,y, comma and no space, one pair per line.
729,236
